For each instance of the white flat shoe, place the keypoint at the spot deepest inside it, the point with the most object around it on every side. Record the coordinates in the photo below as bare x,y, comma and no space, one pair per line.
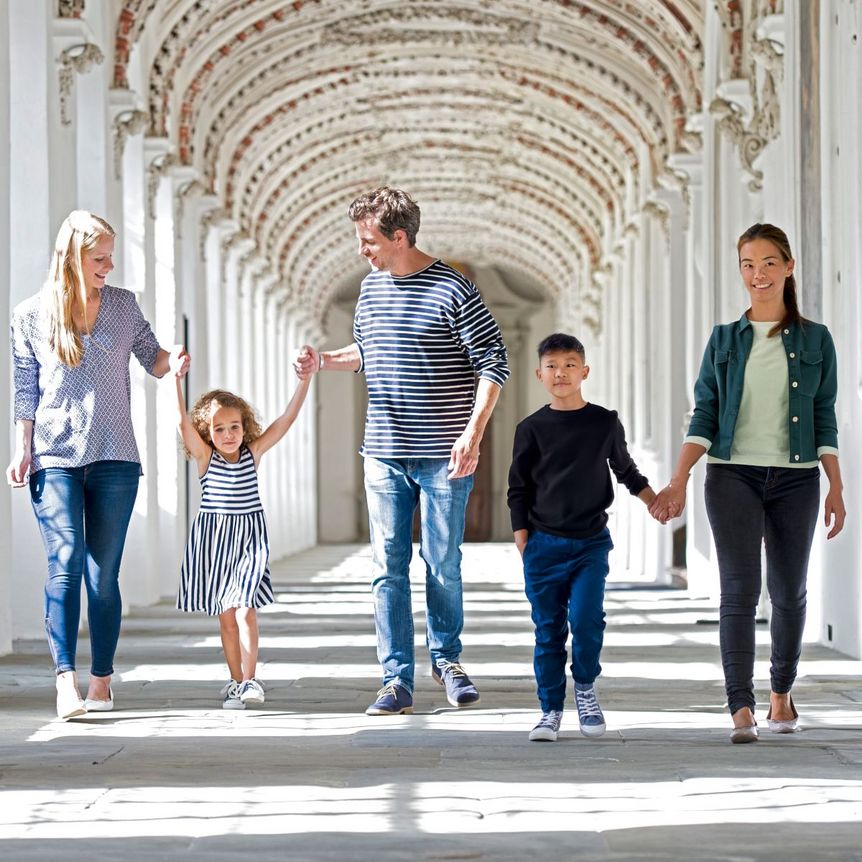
780,725
100,705
70,705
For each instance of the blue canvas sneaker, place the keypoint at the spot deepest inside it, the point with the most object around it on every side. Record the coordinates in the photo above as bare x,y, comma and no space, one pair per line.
589,712
392,699
230,693
548,727
460,691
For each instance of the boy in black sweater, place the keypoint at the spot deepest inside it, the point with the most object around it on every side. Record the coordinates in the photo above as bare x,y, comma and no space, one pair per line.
559,489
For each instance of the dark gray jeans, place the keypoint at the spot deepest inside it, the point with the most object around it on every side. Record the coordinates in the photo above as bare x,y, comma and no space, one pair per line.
747,506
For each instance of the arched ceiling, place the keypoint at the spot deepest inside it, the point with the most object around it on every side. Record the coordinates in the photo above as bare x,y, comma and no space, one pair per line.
529,131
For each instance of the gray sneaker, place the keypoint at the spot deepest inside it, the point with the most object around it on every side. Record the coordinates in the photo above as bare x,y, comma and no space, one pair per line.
548,727
230,693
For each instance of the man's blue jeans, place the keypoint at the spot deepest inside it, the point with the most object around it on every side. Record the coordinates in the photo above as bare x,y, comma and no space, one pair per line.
393,488
83,514
564,579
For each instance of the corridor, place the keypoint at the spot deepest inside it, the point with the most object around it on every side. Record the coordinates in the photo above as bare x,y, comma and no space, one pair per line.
171,775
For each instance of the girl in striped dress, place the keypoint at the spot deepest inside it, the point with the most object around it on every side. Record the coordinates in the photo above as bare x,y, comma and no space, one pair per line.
225,569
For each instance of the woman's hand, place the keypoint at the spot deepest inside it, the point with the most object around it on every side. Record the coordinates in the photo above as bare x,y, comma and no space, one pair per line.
834,512
670,501
19,467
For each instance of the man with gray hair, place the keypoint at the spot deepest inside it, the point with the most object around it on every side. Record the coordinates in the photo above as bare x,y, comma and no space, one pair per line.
422,334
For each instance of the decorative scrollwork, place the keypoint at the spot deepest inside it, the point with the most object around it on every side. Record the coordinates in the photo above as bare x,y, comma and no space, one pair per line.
70,8
158,168
748,143
80,59
126,123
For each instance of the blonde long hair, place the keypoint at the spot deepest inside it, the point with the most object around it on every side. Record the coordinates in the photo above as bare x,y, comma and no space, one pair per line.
65,290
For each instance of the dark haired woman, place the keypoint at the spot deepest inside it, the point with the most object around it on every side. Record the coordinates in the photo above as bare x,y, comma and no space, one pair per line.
765,414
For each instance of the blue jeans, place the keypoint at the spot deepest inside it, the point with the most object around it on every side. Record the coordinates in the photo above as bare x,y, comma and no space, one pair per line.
564,579
393,488
747,506
83,514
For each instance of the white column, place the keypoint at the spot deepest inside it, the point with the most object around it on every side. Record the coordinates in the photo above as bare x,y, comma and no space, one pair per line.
30,239
5,372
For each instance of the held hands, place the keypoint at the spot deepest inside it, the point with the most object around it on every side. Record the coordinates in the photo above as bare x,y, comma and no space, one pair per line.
179,361
670,501
307,362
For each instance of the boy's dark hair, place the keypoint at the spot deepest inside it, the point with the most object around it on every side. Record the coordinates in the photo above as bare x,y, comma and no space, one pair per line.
560,341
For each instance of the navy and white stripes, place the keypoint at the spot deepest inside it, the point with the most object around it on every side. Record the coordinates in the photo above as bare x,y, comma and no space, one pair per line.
226,563
230,489
422,340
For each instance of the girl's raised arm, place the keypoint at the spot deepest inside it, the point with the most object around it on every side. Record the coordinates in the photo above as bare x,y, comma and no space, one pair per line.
279,428
194,443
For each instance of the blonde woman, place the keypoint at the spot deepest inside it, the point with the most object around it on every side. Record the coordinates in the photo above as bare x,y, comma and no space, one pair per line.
74,443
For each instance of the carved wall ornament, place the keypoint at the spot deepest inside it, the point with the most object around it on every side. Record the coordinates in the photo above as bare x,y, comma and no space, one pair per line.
70,8
749,144
126,123
158,168
78,58
192,188
206,222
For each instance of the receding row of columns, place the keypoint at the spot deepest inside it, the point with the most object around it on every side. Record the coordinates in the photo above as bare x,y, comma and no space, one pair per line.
195,281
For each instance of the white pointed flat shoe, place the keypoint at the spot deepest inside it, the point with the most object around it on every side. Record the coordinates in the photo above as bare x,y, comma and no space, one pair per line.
70,705
100,705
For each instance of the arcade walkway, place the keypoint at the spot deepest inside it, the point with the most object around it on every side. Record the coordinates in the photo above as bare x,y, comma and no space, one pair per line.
170,775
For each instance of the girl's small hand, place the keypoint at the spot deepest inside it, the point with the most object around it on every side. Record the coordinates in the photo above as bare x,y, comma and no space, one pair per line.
834,512
19,467
179,361
307,362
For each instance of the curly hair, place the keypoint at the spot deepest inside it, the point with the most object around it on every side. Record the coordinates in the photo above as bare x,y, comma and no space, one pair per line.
213,400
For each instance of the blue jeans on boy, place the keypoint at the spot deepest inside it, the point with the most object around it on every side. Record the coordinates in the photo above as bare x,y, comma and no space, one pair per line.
748,506
393,488
83,515
564,580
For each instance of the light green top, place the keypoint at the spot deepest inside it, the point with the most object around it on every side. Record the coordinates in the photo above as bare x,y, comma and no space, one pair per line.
761,438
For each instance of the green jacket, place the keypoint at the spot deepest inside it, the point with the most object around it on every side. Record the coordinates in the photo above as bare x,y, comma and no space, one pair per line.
812,378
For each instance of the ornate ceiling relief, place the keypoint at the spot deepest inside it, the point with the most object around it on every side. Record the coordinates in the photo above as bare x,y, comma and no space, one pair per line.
530,131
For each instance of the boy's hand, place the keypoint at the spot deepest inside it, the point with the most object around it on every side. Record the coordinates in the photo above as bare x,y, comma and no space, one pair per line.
647,495
179,361
521,537
669,502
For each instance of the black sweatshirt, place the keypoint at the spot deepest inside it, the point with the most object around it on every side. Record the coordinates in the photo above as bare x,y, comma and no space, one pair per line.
559,480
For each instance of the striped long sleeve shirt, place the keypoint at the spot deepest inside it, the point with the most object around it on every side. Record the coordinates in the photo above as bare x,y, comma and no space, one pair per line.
422,340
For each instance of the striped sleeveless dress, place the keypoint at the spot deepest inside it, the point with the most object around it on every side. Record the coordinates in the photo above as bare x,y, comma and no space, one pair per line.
226,563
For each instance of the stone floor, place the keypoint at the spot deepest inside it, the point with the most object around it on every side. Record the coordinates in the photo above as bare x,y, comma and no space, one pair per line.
169,774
